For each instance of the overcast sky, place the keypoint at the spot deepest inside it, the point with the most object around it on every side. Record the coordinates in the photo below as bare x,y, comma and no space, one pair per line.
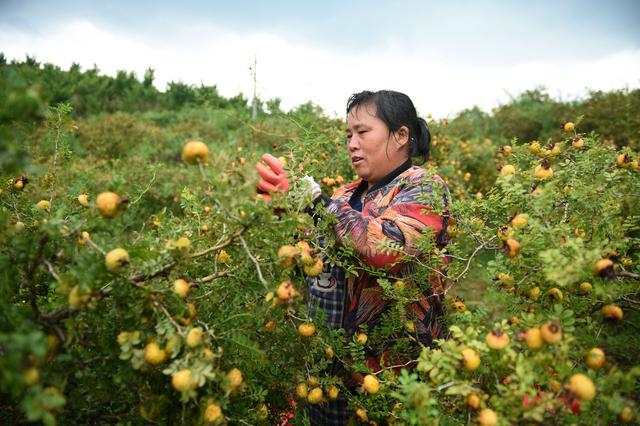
446,56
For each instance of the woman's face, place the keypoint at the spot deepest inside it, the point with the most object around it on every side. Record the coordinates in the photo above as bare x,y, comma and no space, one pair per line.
373,150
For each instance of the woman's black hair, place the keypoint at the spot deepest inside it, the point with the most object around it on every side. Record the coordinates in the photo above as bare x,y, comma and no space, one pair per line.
395,109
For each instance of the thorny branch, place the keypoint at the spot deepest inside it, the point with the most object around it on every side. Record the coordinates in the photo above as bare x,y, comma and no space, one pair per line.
255,262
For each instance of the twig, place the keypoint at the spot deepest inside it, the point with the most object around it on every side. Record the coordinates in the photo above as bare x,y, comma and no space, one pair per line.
153,179
30,273
94,245
220,246
213,276
160,306
53,271
255,262
480,247
162,271
627,274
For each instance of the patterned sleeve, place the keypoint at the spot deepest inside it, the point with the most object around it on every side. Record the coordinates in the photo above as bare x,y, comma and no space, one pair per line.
405,218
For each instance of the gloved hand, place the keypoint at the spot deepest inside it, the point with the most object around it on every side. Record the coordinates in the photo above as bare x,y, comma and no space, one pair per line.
274,177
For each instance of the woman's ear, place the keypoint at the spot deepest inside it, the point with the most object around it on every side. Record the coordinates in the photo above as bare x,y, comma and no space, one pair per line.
402,136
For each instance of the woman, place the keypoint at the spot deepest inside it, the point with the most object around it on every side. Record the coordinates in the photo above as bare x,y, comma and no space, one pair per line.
388,202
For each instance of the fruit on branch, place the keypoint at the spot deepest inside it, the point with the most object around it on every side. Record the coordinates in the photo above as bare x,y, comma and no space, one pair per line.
551,332
555,293
533,338
470,359
487,417
306,329
605,268
286,291
195,152
543,171
83,199
110,204
585,288
234,378
333,392
182,381
497,339
153,354
507,169
315,396
315,269
569,126
512,247
302,390
519,221
213,413
361,414
473,401
362,338
116,260
595,359
194,337
287,256
612,312
43,205
370,384
582,387
181,287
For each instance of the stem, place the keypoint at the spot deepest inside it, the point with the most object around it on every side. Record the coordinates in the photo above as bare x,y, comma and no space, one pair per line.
255,262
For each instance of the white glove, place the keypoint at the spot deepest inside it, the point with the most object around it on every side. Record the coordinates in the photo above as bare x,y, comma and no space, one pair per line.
313,185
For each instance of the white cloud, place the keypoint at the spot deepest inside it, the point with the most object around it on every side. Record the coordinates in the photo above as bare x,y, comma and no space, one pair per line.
297,73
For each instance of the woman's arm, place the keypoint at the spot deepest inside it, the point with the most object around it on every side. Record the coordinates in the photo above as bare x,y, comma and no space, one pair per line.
406,217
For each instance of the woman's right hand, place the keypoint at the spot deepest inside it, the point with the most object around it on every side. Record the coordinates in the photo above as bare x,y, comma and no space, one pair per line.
273,177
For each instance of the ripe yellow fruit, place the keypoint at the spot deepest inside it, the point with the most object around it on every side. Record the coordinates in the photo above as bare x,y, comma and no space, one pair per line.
512,247
470,359
182,245
234,376
371,384
569,126
287,256
123,336
577,142
153,354
31,376
497,339
286,291
473,401
534,293
542,173
302,390
116,260
306,329
195,152
361,414
506,150
582,387
624,161
458,306
533,338
585,288
43,205
315,269
487,417
333,392
329,352
626,415
508,169
181,288
410,326
519,221
605,268
83,199
213,413
224,257
534,147
315,396
172,344
555,293
194,337
613,312
362,338
595,359
551,332
182,381
110,204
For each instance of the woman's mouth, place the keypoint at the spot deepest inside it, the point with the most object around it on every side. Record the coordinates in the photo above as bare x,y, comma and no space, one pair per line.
356,160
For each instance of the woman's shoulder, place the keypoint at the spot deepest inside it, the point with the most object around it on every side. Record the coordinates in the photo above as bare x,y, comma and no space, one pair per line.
420,175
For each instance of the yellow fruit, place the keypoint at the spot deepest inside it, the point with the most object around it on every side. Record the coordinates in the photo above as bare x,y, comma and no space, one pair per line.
315,396
123,336
506,150
473,401
31,376
555,293
43,205
487,417
302,390
533,338
204,229
172,344
514,320
306,329
153,354
287,256
534,293
181,287
507,169
263,412
182,381
569,126
551,332
605,268
626,415
286,291
582,387
534,148
195,152
585,288
542,173
577,142
194,337
110,204
213,413
361,414
623,160
512,247
497,339
371,384
333,392
329,352
555,150
519,221
182,245
595,359
362,338
116,260
75,299
410,326
315,269
83,199
224,257
234,376
612,312
458,306
192,314
470,359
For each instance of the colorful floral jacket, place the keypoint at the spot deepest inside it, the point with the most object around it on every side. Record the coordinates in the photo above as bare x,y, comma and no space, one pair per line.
395,209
